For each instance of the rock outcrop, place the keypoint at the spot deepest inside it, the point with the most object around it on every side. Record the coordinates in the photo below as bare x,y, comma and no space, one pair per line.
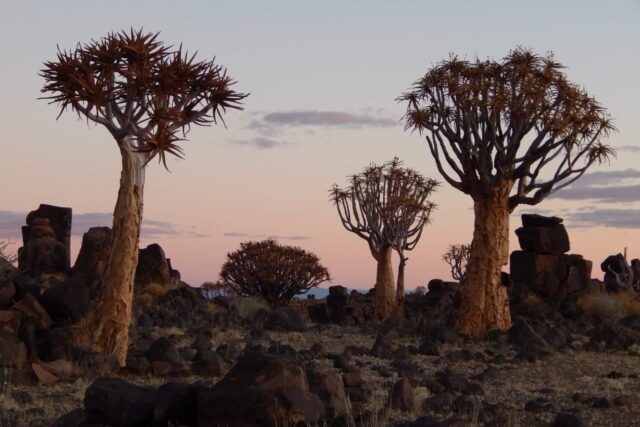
543,265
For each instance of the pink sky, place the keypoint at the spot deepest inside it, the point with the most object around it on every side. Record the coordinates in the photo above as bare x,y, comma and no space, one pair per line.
269,172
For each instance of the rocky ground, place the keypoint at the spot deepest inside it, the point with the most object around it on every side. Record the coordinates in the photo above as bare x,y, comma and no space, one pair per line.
479,383
570,359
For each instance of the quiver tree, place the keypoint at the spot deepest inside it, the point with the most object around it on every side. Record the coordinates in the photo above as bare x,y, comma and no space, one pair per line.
272,271
457,256
147,95
506,133
388,206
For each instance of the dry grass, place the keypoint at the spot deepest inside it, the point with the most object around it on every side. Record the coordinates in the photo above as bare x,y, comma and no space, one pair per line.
613,307
532,300
156,290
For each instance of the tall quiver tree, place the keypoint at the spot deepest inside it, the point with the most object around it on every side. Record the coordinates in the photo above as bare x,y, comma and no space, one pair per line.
506,133
147,95
388,206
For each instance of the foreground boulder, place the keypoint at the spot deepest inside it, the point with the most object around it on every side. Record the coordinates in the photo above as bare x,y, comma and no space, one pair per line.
115,402
261,390
13,352
94,252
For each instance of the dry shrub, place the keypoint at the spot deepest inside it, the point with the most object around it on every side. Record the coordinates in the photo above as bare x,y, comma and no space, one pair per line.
610,306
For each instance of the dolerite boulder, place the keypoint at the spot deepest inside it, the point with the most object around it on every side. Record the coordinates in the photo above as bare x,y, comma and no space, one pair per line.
31,309
42,252
260,390
543,235
176,405
635,271
94,252
153,267
402,396
531,344
542,265
13,352
47,257
7,292
115,402
68,301
330,388
618,275
65,342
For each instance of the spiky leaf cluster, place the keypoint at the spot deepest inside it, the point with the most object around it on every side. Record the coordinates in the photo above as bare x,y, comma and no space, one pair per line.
488,121
137,87
386,205
273,271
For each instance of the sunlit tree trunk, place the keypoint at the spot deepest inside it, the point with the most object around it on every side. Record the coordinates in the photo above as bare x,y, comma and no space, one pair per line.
385,299
400,286
113,310
484,304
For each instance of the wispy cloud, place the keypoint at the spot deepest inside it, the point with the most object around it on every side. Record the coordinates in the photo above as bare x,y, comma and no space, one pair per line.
324,118
607,187
260,143
263,236
629,148
616,218
11,223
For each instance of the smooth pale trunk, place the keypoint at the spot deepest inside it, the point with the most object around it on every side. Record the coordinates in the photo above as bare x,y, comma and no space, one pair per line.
485,304
113,310
385,295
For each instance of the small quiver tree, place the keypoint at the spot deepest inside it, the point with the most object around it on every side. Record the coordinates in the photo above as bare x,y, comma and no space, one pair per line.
388,206
272,271
147,95
457,256
505,133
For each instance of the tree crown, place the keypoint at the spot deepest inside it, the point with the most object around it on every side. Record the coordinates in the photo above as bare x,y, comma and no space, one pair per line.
386,205
134,85
487,122
275,272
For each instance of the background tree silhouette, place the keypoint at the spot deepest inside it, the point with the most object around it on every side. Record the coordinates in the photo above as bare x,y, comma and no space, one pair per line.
147,95
272,271
506,133
457,256
388,206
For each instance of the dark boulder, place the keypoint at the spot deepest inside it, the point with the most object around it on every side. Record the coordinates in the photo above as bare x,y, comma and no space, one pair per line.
65,342
208,364
31,309
10,321
7,292
13,352
544,240
153,267
69,301
260,390
176,404
330,388
42,253
531,344
402,396
58,219
535,220
112,401
94,252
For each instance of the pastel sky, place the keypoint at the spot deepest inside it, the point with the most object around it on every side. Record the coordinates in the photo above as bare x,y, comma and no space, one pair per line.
323,78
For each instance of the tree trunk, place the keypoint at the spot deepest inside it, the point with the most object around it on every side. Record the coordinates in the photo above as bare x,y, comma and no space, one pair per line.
113,310
400,286
385,295
485,304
